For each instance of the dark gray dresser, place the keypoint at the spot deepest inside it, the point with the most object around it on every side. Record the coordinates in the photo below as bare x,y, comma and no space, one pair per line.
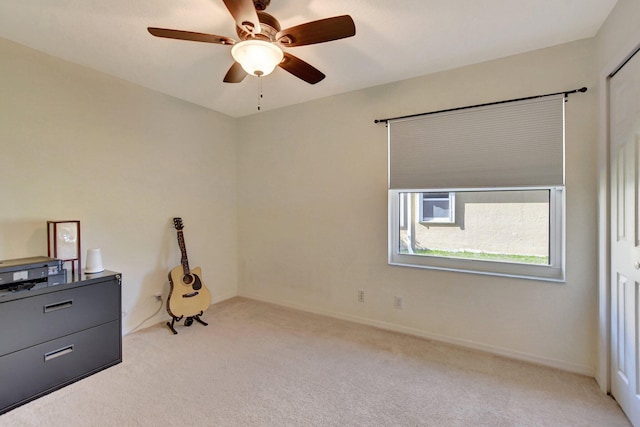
54,336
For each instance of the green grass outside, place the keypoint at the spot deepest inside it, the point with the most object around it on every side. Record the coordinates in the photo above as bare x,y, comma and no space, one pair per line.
522,259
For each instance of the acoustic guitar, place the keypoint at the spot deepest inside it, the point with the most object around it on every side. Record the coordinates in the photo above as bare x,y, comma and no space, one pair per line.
188,295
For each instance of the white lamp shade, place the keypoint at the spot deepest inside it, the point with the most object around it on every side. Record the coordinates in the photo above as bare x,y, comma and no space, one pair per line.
257,57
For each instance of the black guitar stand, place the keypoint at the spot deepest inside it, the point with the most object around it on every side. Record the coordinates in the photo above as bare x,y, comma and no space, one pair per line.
188,321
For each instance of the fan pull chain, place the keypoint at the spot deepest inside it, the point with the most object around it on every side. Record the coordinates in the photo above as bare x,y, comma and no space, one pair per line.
259,92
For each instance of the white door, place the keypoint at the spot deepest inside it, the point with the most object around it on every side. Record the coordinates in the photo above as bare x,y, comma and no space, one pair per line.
624,133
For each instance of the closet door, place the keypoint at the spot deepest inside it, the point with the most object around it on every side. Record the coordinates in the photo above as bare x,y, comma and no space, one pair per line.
624,139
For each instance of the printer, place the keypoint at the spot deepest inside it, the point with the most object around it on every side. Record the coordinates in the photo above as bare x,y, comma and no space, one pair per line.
31,273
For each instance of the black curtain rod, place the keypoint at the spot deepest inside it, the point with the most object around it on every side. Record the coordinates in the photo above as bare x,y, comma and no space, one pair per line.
582,89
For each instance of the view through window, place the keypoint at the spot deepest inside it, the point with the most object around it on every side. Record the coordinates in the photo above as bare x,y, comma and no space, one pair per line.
503,225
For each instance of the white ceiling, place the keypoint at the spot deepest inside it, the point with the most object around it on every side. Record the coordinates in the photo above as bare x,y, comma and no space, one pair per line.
395,40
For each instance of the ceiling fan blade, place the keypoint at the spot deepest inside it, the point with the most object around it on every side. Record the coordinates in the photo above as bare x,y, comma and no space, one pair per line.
191,36
320,31
245,15
236,74
301,69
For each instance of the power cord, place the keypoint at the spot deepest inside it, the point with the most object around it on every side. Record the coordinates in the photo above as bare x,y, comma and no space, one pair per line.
158,298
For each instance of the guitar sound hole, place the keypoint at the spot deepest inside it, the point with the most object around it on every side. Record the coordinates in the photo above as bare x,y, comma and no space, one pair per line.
187,279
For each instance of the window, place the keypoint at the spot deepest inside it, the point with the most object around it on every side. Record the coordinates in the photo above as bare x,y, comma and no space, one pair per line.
514,232
480,190
438,207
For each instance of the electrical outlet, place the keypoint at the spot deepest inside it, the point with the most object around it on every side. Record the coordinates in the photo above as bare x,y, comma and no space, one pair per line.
158,296
398,302
360,296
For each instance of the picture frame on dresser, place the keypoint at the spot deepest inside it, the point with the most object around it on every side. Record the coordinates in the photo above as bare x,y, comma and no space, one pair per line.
63,242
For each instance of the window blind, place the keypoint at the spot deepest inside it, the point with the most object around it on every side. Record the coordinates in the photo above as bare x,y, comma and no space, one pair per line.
512,144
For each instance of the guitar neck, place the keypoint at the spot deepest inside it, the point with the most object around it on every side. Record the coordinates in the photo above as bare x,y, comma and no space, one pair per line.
183,248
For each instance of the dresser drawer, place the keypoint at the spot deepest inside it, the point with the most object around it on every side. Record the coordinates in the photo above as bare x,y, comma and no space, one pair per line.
34,320
37,370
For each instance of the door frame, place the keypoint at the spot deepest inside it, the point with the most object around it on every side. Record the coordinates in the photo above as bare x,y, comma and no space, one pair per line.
603,368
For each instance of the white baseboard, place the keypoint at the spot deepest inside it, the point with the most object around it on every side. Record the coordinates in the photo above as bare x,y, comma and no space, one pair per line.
511,354
223,298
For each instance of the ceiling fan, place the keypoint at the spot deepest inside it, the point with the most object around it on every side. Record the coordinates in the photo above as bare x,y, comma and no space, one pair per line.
260,48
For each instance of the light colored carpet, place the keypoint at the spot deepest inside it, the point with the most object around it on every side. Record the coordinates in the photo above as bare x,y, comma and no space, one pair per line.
258,364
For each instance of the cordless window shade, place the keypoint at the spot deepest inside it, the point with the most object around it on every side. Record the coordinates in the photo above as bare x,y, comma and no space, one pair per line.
512,144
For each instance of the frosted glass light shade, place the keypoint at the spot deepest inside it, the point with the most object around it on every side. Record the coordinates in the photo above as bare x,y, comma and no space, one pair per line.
257,57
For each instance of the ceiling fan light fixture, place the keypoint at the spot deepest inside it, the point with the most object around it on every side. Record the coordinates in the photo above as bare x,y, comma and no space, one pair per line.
257,57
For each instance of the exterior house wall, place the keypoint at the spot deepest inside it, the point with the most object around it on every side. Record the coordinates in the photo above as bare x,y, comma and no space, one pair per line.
500,223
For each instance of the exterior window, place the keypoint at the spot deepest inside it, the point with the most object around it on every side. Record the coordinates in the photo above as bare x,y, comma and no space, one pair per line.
514,232
438,207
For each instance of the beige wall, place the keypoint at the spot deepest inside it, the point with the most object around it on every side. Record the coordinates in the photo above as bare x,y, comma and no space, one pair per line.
618,36
77,144
313,214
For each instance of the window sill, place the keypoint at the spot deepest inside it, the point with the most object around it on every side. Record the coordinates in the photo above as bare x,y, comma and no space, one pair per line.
491,268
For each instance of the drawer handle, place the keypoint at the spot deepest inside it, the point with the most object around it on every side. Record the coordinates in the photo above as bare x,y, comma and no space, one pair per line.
58,353
58,306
